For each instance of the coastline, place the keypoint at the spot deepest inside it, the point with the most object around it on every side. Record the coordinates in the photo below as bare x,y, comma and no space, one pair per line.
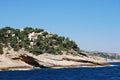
26,68
16,68
23,60
22,68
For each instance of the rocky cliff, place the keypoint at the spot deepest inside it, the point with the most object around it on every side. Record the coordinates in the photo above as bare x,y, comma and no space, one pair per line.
24,60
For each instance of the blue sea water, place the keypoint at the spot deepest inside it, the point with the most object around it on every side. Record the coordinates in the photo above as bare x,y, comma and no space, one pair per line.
96,73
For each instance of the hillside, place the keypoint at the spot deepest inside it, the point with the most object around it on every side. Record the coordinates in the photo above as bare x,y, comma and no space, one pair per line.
109,57
29,48
36,41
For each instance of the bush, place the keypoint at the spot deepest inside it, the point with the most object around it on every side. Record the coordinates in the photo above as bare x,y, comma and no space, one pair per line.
53,44
35,50
16,49
51,50
45,33
1,49
38,30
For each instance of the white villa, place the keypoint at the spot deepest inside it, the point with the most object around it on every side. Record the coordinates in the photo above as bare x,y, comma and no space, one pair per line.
32,36
21,30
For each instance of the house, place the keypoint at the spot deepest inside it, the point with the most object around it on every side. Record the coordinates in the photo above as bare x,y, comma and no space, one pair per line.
32,36
7,34
13,35
21,30
9,31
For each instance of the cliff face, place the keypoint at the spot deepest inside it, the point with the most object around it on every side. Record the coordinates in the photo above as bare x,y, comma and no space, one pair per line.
24,60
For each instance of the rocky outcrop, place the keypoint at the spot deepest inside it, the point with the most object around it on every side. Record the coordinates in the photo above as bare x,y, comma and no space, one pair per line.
31,61
7,63
25,60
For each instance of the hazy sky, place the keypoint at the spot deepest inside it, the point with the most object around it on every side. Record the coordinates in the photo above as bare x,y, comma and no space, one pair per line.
93,24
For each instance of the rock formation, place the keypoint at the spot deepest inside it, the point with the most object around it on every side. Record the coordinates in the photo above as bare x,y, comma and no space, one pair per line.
25,60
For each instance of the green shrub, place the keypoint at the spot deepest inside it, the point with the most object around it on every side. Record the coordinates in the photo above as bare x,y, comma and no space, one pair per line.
1,49
54,44
16,49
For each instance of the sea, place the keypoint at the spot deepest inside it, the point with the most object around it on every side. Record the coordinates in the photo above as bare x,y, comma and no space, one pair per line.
82,73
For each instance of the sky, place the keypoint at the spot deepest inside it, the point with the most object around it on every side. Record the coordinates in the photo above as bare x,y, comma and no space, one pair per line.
93,24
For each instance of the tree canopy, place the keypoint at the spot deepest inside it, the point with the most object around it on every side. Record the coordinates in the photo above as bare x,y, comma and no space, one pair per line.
17,39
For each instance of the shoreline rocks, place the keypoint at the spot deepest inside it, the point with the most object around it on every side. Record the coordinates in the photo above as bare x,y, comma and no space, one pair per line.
25,60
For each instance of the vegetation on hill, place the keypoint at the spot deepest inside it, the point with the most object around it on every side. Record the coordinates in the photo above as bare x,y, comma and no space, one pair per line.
36,41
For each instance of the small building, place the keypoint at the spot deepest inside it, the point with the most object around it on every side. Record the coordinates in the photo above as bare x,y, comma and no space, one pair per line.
13,35
32,36
21,30
7,33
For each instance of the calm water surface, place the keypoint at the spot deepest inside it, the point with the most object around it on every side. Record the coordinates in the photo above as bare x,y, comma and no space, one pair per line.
98,73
